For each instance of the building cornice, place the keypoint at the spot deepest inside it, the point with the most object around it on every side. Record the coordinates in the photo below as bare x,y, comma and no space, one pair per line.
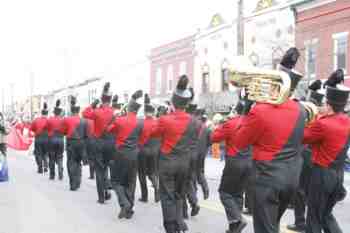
310,4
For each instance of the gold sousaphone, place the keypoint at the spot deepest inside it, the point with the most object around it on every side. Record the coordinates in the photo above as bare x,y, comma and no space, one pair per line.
267,86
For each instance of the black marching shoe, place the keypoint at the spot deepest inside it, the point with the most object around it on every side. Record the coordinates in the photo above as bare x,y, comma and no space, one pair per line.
247,212
125,213
142,199
100,202
195,210
298,228
237,227
108,196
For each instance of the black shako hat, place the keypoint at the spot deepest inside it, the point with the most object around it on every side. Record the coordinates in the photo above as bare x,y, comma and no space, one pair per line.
134,105
287,64
57,110
115,102
315,96
148,106
45,110
182,95
106,94
73,105
336,95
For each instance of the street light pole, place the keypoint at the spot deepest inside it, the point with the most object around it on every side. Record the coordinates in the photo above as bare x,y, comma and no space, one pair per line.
240,28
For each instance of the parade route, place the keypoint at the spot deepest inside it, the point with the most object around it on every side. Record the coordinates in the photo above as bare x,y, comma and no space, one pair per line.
31,203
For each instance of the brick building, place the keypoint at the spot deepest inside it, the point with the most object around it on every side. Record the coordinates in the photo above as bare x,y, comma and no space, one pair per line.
322,35
168,62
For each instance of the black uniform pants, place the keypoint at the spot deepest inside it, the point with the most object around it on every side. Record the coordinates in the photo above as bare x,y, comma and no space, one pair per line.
91,154
147,168
233,181
75,150
172,180
274,185
325,190
192,181
56,148
104,152
41,154
249,192
202,181
123,178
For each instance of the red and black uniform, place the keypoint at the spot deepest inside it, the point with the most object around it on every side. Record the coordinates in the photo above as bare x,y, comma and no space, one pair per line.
236,173
127,130
56,145
176,130
39,128
329,139
75,129
147,159
104,146
275,132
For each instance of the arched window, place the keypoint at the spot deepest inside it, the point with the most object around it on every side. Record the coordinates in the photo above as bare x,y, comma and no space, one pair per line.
158,87
183,68
205,78
170,78
224,75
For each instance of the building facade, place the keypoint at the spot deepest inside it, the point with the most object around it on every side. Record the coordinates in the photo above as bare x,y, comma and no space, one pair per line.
269,30
216,49
322,35
167,63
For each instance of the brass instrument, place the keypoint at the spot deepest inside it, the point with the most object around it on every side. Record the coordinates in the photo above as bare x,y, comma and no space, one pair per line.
311,110
268,86
261,85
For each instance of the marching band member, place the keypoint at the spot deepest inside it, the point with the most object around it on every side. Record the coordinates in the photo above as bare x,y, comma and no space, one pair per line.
56,142
176,131
39,128
329,139
104,141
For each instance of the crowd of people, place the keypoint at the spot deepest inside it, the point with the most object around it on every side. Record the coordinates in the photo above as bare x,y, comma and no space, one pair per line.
274,153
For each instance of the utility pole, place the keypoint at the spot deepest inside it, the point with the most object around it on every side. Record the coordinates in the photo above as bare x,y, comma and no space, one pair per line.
240,28
12,95
31,89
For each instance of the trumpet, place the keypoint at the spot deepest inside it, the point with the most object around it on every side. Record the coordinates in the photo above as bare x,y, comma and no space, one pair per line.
261,85
311,111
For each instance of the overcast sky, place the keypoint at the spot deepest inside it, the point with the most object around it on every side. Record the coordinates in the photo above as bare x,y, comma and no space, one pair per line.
55,39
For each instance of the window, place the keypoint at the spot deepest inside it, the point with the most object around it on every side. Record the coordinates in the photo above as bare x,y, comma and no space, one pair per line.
340,47
224,76
310,58
170,78
183,68
158,81
205,83
91,95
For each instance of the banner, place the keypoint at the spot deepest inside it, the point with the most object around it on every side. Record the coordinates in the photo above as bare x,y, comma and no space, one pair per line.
17,141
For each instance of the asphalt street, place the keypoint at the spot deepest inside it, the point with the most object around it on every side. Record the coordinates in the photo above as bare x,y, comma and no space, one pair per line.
31,203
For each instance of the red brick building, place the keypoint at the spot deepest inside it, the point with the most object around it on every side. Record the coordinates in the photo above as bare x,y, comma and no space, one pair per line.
322,35
168,62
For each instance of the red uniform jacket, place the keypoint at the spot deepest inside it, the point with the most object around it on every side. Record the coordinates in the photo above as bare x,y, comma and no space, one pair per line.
176,131
39,126
54,125
329,139
274,131
102,117
149,124
70,126
127,130
225,132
